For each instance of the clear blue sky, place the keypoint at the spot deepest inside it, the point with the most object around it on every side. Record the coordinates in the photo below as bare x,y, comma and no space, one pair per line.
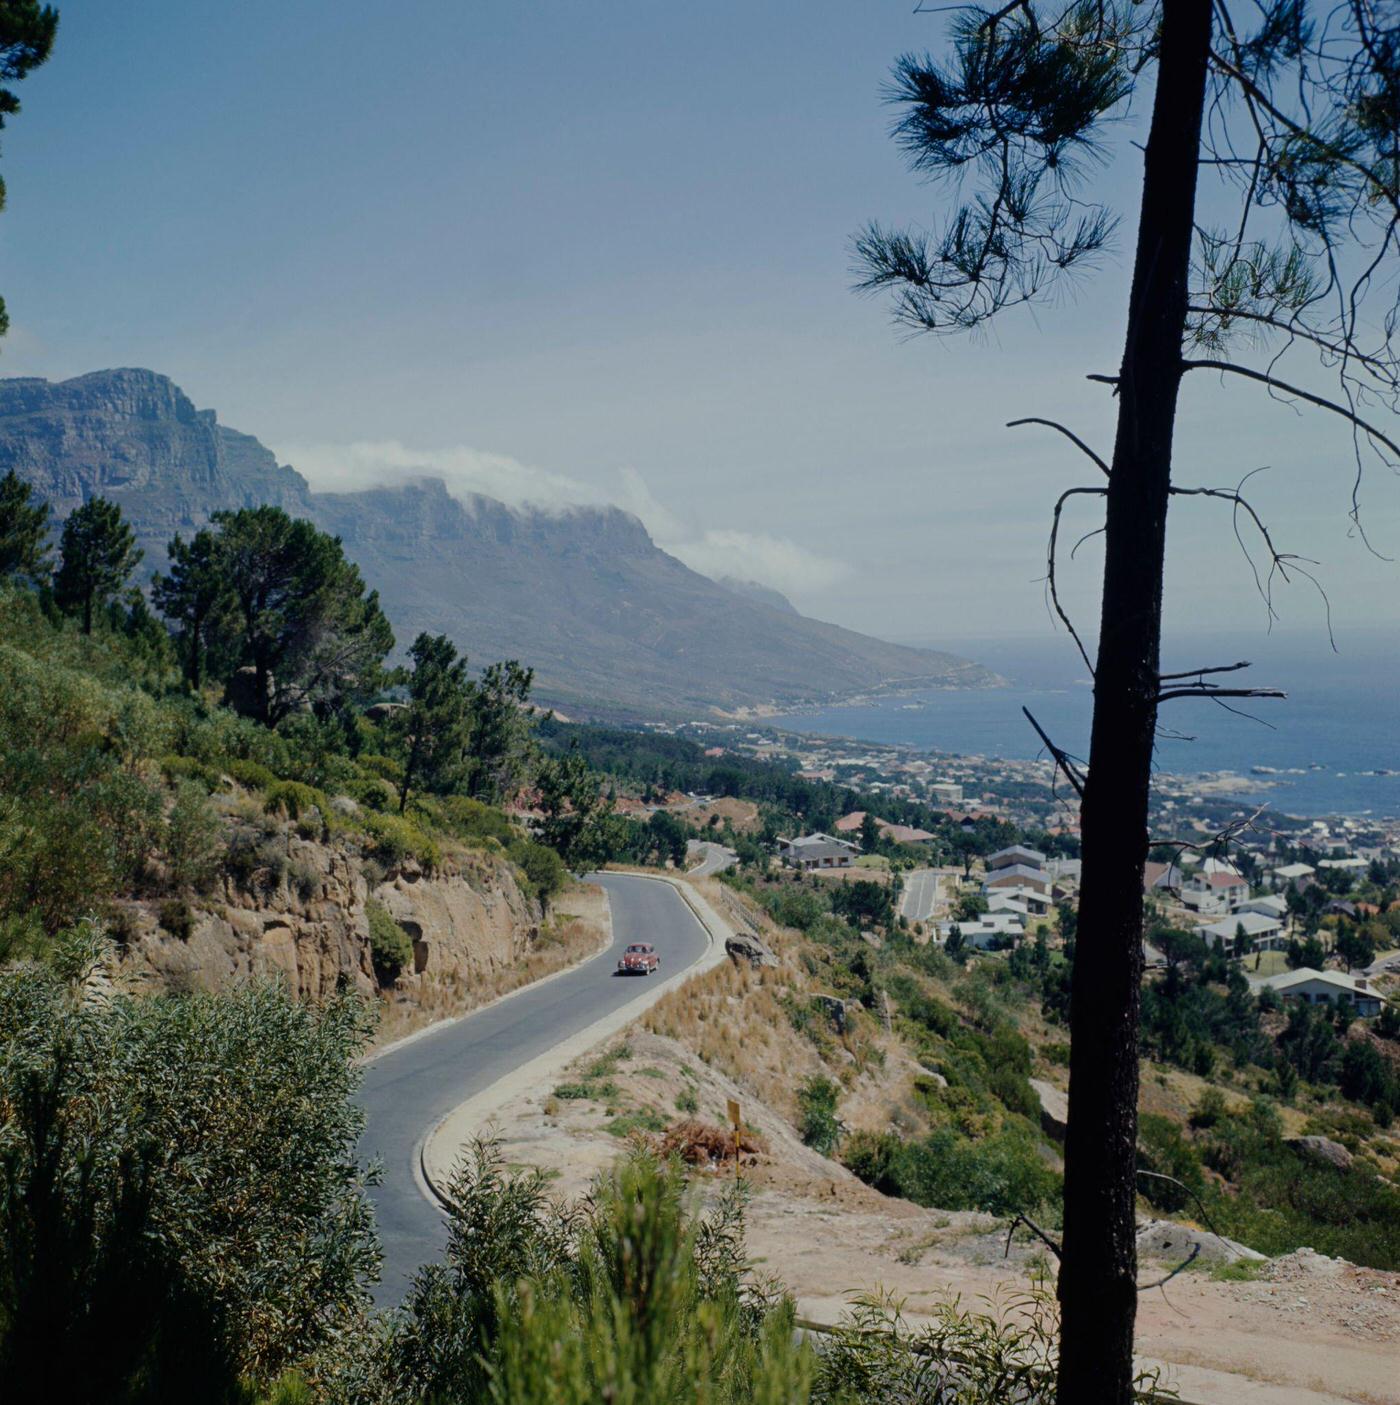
606,244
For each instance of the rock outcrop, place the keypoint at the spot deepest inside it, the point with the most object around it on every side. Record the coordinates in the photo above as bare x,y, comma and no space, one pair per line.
1322,1151
307,922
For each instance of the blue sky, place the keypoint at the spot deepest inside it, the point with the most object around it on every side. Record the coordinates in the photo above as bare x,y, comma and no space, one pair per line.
568,251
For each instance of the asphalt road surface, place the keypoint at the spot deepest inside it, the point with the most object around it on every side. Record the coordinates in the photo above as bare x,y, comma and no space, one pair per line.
406,1092
920,894
716,858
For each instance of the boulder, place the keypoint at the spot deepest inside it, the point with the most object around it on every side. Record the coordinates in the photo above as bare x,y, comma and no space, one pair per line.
1323,1151
745,946
835,1008
1165,1239
1054,1108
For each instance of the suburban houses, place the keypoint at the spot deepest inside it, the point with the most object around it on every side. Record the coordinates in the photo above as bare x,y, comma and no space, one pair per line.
817,851
1312,987
1243,932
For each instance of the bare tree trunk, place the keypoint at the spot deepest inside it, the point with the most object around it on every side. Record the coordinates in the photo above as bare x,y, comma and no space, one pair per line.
1097,1285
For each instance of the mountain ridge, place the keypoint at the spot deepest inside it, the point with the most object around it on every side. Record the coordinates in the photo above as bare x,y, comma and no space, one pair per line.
612,624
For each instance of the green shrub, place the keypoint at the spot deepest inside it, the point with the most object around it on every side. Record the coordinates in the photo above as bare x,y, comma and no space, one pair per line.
818,1124
177,917
193,842
393,840
1003,1174
252,774
687,1102
293,799
390,947
175,768
1163,1151
543,869
385,767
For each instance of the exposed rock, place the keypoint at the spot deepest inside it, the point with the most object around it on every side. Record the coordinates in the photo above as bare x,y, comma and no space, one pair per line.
1054,1108
746,946
835,1008
305,920
1165,1239
1322,1150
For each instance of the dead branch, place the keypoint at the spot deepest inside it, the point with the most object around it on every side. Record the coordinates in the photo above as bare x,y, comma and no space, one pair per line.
1068,433
1376,436
1184,1264
1050,556
1062,758
1035,1229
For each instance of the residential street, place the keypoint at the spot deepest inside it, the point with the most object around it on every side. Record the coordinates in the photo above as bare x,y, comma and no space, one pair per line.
920,894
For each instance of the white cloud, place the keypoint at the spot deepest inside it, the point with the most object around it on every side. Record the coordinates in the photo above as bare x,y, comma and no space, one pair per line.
751,556
758,556
747,556
345,468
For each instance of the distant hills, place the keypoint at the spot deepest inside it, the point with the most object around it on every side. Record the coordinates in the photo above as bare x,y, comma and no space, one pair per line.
612,625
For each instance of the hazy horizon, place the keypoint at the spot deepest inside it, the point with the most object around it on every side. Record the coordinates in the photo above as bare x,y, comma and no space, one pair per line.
566,255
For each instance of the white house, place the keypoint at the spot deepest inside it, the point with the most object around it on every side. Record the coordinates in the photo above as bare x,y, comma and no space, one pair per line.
815,851
1017,855
1292,875
1260,933
1214,892
982,932
1326,987
1269,906
1018,875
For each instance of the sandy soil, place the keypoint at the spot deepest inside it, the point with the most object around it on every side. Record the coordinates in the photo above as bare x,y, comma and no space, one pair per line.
1307,1331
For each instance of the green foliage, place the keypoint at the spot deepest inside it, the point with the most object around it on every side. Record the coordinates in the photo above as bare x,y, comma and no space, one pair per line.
629,1295
179,1202
193,842
24,527
292,799
578,822
432,732
293,612
98,553
252,774
818,1123
195,598
1001,1351
544,871
1164,1152
394,840
389,945
1003,1173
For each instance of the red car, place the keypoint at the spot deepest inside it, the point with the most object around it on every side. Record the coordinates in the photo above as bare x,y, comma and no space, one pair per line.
640,959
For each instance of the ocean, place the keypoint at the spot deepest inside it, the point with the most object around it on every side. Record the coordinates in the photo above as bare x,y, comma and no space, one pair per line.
1331,748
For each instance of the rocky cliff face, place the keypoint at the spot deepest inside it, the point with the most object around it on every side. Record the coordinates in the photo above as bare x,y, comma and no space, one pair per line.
611,624
135,437
307,923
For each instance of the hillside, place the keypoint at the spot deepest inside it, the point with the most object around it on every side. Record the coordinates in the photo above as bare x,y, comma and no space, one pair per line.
610,622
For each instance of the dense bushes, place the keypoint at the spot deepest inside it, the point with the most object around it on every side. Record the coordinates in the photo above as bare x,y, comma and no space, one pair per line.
179,1203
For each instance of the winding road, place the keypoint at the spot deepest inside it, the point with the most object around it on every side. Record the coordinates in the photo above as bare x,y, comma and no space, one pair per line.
409,1089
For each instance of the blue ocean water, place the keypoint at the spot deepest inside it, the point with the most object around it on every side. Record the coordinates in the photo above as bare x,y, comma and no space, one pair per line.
1338,728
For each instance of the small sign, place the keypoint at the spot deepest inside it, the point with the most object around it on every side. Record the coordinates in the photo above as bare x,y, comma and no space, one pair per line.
734,1119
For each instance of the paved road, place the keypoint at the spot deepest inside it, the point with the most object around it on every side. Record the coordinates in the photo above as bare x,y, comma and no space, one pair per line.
716,857
920,894
407,1091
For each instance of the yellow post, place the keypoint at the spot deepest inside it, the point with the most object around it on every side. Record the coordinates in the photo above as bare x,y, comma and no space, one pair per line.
736,1120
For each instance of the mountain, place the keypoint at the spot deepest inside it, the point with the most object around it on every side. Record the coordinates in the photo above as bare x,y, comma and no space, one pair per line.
764,594
611,624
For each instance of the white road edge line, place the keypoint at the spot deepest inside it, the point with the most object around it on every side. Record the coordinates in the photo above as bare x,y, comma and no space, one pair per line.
437,1153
